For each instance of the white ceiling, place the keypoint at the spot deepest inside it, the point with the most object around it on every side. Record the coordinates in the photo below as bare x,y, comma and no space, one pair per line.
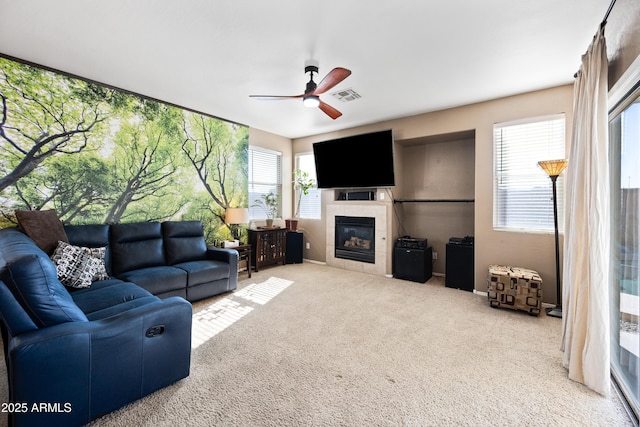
407,57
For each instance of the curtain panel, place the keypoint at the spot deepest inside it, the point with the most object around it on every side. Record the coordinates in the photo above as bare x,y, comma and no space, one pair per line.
585,320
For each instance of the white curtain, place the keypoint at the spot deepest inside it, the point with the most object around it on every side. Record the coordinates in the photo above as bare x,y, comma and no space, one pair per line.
585,307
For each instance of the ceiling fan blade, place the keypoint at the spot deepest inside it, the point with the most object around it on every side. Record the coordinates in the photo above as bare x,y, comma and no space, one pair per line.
275,97
329,110
334,77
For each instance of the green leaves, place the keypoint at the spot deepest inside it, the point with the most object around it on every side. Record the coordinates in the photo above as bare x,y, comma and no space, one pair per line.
97,154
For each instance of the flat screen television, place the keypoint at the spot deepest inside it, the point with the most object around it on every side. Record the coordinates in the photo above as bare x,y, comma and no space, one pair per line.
360,161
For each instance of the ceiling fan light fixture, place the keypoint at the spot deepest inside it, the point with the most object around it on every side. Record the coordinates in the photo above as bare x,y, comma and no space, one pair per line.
311,101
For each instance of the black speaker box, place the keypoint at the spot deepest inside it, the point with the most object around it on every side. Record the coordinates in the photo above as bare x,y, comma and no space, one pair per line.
412,264
293,254
459,266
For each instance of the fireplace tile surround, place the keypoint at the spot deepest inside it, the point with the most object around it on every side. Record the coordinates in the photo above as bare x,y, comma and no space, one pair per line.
383,235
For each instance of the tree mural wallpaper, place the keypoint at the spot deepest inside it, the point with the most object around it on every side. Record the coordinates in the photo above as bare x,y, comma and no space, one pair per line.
100,155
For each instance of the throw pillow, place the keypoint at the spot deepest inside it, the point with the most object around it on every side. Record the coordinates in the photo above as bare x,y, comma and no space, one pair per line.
75,265
99,253
43,227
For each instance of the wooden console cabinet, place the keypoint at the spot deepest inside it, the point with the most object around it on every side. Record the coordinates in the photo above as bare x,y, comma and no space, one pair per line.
269,246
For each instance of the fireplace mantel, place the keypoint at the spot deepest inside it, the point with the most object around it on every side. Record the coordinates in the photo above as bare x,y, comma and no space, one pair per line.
383,236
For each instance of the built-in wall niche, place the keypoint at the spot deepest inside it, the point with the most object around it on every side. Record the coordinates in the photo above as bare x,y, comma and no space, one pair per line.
436,199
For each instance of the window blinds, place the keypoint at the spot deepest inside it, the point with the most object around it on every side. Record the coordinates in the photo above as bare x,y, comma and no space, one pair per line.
310,205
265,175
522,193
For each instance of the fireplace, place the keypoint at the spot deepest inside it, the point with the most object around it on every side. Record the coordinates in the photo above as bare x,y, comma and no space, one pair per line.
355,238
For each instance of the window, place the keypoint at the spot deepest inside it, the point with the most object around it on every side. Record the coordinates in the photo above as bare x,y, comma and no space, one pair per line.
624,136
310,204
265,176
522,191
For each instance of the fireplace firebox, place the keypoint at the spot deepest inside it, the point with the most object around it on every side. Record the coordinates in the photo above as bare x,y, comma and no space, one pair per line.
355,238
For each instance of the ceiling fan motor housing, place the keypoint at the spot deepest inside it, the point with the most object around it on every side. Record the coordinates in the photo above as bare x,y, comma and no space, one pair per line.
311,85
311,68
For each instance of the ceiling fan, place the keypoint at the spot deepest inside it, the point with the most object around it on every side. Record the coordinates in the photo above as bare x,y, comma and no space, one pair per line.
311,96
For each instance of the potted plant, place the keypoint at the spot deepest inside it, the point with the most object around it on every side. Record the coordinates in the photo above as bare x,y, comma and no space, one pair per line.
302,182
269,203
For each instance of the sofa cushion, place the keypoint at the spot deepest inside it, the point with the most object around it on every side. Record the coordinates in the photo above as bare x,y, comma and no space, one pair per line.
33,281
109,297
43,227
157,280
135,246
205,271
15,319
183,241
78,266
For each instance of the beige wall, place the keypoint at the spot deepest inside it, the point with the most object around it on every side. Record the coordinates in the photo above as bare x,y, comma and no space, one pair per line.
436,170
530,250
623,37
523,249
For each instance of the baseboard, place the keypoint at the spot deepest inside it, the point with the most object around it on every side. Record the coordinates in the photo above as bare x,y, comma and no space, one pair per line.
475,291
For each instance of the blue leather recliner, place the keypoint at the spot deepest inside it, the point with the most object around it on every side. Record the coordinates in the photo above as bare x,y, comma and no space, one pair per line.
73,356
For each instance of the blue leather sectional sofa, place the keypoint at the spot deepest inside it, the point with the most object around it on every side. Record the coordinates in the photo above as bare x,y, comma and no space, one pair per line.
73,355
167,259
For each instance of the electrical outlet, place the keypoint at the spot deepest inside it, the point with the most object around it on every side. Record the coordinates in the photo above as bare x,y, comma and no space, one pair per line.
381,196
308,245
435,255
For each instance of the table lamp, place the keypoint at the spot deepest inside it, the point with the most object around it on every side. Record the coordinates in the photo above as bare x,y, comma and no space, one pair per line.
234,217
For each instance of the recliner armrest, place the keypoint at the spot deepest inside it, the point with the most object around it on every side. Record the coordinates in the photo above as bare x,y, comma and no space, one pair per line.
222,254
229,256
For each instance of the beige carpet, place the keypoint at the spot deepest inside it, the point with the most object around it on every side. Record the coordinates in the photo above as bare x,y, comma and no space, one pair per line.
312,345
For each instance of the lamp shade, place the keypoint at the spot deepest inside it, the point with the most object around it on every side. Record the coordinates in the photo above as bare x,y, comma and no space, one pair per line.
553,167
236,215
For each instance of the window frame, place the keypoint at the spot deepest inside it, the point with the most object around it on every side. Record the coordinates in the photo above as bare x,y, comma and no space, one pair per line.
513,212
624,301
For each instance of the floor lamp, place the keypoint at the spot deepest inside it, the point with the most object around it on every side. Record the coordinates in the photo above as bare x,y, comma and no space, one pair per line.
554,168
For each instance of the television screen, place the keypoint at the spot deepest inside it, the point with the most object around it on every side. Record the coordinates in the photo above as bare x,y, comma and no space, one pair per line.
360,161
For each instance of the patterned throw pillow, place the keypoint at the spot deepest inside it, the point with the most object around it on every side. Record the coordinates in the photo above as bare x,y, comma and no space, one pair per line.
99,253
76,265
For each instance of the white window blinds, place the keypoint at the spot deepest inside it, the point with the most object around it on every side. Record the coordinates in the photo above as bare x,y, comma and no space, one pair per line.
310,204
265,176
522,192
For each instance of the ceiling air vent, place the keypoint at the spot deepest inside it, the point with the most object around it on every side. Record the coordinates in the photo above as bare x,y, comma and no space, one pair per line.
346,95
